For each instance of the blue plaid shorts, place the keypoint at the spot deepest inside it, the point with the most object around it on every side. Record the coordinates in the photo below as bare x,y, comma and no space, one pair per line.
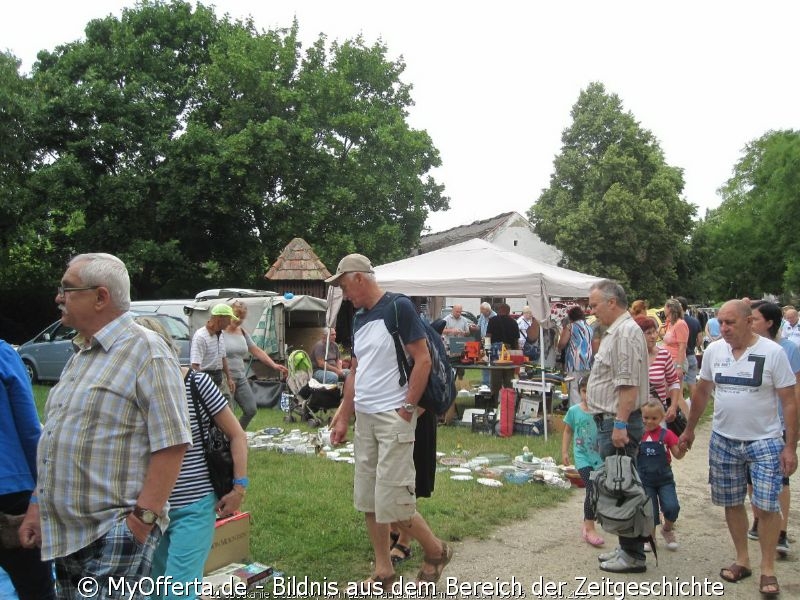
729,462
116,554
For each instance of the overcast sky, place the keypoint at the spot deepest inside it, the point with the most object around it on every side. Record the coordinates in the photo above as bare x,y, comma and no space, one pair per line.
494,82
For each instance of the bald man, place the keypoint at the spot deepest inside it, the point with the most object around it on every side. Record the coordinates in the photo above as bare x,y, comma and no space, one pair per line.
749,376
790,329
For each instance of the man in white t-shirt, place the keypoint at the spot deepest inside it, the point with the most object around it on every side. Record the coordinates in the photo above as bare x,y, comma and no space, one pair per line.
749,376
790,329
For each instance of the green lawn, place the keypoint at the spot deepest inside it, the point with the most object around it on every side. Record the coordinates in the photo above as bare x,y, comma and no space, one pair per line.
304,523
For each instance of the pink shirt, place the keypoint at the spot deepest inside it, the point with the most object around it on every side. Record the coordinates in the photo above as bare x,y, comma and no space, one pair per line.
676,334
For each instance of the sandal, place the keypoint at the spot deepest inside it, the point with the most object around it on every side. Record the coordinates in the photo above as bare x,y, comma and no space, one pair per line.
396,559
376,585
737,573
769,581
438,564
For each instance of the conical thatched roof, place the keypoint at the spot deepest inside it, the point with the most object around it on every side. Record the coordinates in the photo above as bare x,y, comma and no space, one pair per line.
298,262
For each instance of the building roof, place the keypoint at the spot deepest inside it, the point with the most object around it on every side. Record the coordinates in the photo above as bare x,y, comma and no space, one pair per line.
298,261
477,229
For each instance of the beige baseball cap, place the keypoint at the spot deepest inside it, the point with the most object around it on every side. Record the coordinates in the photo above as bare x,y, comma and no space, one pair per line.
352,263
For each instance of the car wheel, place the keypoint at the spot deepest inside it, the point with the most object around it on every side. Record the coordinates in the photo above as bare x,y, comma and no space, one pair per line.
32,375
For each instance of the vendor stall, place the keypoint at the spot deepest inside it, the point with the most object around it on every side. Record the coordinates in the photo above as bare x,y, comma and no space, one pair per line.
477,268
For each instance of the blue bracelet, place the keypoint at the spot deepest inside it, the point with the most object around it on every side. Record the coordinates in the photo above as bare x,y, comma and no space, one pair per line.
620,424
242,481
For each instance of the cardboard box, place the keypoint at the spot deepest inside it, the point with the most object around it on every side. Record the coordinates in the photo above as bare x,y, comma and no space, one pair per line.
231,542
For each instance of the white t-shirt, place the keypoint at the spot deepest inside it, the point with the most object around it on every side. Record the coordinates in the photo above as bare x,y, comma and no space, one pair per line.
745,396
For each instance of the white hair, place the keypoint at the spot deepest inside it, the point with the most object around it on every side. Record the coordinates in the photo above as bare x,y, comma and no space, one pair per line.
108,271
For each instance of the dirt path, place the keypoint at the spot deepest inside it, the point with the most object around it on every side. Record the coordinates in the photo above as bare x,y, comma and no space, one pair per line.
548,548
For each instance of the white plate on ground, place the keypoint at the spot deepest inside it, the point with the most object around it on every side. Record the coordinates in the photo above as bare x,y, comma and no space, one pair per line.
490,482
460,470
461,477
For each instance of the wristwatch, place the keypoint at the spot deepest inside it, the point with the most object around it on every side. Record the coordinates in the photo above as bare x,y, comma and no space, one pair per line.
410,408
145,515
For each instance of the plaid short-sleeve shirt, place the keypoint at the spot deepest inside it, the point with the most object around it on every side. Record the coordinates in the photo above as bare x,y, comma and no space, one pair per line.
120,398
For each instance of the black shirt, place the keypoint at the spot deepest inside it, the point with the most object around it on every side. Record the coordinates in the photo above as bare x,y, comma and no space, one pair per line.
503,328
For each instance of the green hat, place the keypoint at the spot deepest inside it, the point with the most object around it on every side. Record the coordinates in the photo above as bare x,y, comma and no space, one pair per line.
222,310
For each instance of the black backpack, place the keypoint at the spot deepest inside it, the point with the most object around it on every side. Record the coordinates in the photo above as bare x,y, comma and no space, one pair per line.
440,391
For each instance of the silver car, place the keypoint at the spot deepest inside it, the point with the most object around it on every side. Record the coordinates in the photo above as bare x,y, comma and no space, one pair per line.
47,353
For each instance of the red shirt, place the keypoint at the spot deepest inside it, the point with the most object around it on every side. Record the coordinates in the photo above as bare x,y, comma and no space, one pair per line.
670,440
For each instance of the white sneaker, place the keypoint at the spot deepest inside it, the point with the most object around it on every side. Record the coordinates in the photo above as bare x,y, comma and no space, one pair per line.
610,555
624,563
669,537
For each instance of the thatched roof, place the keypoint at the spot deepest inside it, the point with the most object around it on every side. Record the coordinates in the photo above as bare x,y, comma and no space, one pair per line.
298,262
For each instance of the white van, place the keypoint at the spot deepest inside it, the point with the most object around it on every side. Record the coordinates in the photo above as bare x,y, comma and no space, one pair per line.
173,308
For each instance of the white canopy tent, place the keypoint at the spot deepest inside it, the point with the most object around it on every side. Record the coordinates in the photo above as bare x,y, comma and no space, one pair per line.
477,268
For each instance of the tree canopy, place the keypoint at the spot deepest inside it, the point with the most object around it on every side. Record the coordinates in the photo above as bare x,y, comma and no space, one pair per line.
614,206
195,147
751,239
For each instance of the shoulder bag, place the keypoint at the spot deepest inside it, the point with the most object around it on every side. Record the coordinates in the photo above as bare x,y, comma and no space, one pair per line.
216,447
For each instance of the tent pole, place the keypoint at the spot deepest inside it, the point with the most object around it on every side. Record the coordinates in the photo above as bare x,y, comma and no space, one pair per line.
541,362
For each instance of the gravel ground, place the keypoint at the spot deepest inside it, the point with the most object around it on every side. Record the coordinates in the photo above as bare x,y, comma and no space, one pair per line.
522,559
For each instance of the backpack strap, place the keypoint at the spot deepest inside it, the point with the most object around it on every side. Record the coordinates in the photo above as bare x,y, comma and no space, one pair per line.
391,317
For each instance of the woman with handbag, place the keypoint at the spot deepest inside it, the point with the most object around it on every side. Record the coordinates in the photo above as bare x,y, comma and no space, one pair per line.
665,383
238,344
195,501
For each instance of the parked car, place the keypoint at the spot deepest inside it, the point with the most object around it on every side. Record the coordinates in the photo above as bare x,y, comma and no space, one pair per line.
173,308
46,354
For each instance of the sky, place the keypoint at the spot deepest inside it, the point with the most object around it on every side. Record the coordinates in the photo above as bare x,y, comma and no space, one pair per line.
494,83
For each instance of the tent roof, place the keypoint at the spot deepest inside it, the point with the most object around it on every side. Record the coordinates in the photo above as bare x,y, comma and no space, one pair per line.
478,268
298,261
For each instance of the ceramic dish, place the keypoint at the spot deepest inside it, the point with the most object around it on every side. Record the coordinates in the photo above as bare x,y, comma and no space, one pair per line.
453,461
460,470
490,482
461,477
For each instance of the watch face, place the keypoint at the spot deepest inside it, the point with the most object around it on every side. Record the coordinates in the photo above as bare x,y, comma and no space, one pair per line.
146,516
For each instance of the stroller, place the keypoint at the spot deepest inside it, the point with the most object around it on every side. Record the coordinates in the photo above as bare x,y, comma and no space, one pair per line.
309,398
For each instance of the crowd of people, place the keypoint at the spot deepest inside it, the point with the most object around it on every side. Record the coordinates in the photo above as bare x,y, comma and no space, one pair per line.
635,394
125,422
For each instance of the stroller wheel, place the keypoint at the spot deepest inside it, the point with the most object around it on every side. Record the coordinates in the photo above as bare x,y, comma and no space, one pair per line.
314,423
288,419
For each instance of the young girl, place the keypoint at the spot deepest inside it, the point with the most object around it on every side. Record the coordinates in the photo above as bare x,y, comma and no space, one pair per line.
579,421
655,454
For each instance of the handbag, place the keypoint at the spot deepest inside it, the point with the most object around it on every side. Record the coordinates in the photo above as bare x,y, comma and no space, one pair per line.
216,447
678,424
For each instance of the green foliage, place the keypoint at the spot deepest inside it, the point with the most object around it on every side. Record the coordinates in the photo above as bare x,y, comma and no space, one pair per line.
751,238
613,206
196,147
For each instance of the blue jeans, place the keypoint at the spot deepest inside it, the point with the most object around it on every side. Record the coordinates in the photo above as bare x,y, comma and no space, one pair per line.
633,546
185,545
326,376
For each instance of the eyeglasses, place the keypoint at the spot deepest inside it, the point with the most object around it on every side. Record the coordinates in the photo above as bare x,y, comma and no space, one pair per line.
62,291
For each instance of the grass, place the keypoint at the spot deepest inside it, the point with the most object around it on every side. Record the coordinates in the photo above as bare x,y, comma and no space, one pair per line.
304,523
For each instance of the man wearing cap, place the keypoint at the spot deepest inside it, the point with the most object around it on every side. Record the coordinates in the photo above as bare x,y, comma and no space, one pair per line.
115,434
384,482
208,346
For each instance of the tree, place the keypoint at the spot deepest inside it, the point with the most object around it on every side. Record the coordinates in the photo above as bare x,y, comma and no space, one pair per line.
195,148
754,246
613,206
